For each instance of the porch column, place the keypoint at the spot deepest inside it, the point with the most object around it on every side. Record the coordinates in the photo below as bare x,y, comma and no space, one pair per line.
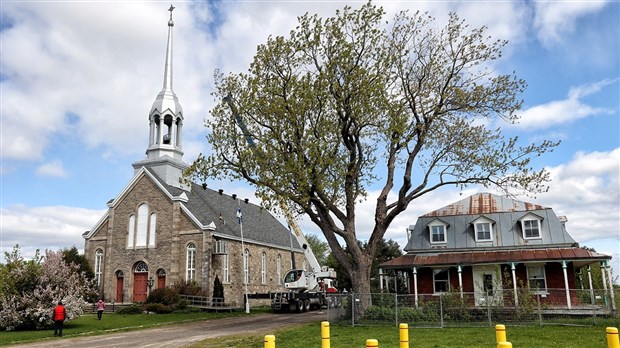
603,266
611,286
513,268
568,304
590,282
460,271
381,279
415,286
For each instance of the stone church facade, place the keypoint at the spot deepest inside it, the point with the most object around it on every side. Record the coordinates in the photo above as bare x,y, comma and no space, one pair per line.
159,231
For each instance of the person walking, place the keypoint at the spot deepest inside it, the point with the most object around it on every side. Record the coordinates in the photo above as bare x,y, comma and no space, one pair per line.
100,308
60,314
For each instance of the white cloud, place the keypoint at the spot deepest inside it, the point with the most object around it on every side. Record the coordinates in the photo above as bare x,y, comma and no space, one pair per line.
53,227
554,19
53,169
564,111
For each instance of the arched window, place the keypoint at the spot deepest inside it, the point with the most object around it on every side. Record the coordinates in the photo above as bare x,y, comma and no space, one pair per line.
141,228
263,268
131,230
141,267
190,272
279,269
98,266
246,266
152,225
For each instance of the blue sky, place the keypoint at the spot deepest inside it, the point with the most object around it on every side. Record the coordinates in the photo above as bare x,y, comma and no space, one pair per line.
77,80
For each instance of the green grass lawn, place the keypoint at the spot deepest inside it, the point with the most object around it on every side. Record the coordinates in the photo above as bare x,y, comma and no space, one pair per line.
88,324
309,336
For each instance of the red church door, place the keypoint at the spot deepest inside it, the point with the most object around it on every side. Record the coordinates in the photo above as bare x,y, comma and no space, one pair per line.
161,282
139,287
119,289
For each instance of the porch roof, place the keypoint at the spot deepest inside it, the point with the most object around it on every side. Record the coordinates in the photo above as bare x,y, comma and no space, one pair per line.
580,257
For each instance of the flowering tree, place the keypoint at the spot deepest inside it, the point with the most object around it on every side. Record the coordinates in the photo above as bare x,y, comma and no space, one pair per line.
29,290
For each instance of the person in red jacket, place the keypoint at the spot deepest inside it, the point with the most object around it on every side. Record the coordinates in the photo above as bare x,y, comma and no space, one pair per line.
100,308
60,314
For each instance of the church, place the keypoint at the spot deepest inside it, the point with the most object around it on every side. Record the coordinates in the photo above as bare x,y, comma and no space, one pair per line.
159,231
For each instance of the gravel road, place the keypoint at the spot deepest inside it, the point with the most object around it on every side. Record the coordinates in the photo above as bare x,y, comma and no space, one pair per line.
182,335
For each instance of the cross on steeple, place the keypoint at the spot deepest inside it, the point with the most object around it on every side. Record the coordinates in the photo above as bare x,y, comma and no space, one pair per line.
171,9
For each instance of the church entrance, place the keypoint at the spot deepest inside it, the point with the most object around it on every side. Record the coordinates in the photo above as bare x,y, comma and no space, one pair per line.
119,287
140,277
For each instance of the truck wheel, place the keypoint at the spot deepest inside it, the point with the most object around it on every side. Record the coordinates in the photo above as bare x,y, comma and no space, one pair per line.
300,306
306,305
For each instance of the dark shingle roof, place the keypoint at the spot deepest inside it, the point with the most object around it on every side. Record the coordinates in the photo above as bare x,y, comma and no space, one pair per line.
209,206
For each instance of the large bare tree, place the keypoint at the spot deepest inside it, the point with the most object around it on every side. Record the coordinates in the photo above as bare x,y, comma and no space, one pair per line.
352,102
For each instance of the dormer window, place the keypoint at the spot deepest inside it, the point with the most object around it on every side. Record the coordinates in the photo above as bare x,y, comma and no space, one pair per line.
437,232
482,229
530,226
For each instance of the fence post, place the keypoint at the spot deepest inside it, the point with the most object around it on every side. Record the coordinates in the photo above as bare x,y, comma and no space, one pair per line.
325,334
539,310
441,310
352,309
270,341
404,335
612,337
396,308
500,333
488,311
372,343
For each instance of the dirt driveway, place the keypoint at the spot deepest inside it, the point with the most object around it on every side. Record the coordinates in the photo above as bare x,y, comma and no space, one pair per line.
182,335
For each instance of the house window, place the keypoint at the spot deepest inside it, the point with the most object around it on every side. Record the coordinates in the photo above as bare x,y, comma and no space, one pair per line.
190,273
225,274
98,266
279,269
483,231
263,268
246,266
438,234
531,229
441,280
536,278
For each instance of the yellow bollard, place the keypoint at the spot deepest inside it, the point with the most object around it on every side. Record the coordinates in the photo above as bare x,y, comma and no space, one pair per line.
612,337
270,341
500,333
504,345
325,334
372,343
404,335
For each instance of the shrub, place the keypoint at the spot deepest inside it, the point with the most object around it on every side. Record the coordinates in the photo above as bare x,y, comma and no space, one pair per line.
131,309
165,296
158,308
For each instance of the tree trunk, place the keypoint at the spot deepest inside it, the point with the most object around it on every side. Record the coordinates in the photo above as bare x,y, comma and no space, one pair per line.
360,280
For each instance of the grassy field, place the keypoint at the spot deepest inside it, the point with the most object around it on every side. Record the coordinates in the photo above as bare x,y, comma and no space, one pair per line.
309,336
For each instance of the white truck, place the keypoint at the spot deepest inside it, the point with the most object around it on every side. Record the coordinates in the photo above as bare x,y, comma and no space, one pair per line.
303,290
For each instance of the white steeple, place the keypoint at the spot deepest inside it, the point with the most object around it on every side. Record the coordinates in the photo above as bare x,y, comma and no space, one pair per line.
165,151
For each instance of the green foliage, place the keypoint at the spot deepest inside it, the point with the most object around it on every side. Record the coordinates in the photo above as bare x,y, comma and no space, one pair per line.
134,308
189,288
356,101
158,308
165,296
218,291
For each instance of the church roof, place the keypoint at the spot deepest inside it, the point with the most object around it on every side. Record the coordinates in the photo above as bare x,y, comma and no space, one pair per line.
212,207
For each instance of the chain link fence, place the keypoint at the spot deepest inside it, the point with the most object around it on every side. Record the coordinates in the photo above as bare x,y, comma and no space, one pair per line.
456,309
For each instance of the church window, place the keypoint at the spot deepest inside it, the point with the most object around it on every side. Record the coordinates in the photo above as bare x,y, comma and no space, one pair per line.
141,267
263,268
98,266
131,231
152,225
191,262
279,269
246,266
141,227
225,274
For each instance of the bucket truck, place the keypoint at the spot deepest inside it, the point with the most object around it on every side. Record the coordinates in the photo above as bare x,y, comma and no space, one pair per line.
303,290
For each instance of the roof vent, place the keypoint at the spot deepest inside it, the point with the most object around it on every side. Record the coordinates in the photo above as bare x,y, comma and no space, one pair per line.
204,185
246,201
220,191
234,196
